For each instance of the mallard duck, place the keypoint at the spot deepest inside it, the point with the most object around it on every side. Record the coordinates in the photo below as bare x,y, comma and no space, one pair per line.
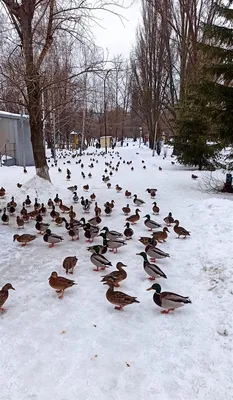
73,232
2,192
4,294
5,218
152,192
26,218
161,236
128,232
109,185
59,220
154,252
60,284
24,239
20,222
23,210
168,300
128,194
118,188
179,230
12,202
119,299
54,214
73,188
51,238
28,201
98,249
50,203
42,209
33,214
57,200
69,264
133,219
97,209
75,197
108,209
39,217
68,177
138,202
145,240
64,209
118,276
86,188
87,206
111,234
90,232
126,210
95,220
93,197
112,244
11,209
169,219
151,269
72,214
155,208
150,224
41,227
36,205
112,204
100,262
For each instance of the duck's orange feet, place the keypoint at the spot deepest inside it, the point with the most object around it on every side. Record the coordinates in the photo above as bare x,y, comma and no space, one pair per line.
119,308
96,269
153,259
151,278
51,245
24,244
167,311
2,309
61,297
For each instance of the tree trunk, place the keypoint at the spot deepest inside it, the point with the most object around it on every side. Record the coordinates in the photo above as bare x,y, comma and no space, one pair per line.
36,127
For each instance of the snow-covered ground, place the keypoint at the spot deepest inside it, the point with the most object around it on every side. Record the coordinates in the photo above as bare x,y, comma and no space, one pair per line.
81,347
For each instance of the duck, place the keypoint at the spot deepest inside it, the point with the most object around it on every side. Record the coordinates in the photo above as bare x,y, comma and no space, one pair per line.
54,214
128,194
128,232
42,209
133,219
86,188
98,249
93,197
28,201
72,189
36,205
57,200
86,206
64,209
119,299
161,235
12,202
32,214
39,217
59,220
72,214
20,222
169,219
126,210
95,220
109,185
60,284
154,252
69,263
90,232
24,239
11,209
5,218
41,227
75,197
26,218
73,232
51,238
138,202
112,204
100,262
179,230
112,244
118,276
152,192
150,224
155,208
151,269
111,234
145,240
4,294
50,203
108,209
118,188
168,300
2,192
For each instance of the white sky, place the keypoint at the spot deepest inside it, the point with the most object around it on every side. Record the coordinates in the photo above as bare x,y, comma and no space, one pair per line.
115,36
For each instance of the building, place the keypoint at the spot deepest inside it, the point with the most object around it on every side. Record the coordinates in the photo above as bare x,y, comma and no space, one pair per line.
15,140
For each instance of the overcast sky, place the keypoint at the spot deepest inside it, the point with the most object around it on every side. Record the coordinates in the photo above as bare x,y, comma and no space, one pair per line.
115,36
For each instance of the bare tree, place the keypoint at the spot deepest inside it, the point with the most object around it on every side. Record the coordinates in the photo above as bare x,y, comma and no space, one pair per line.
37,24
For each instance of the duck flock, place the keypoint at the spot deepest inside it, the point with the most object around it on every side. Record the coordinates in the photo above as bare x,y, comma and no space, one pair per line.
43,218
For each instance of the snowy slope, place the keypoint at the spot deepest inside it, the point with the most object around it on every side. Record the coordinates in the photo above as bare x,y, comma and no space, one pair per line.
81,347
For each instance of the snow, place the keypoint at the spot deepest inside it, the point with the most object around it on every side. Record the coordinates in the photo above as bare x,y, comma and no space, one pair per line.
81,347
